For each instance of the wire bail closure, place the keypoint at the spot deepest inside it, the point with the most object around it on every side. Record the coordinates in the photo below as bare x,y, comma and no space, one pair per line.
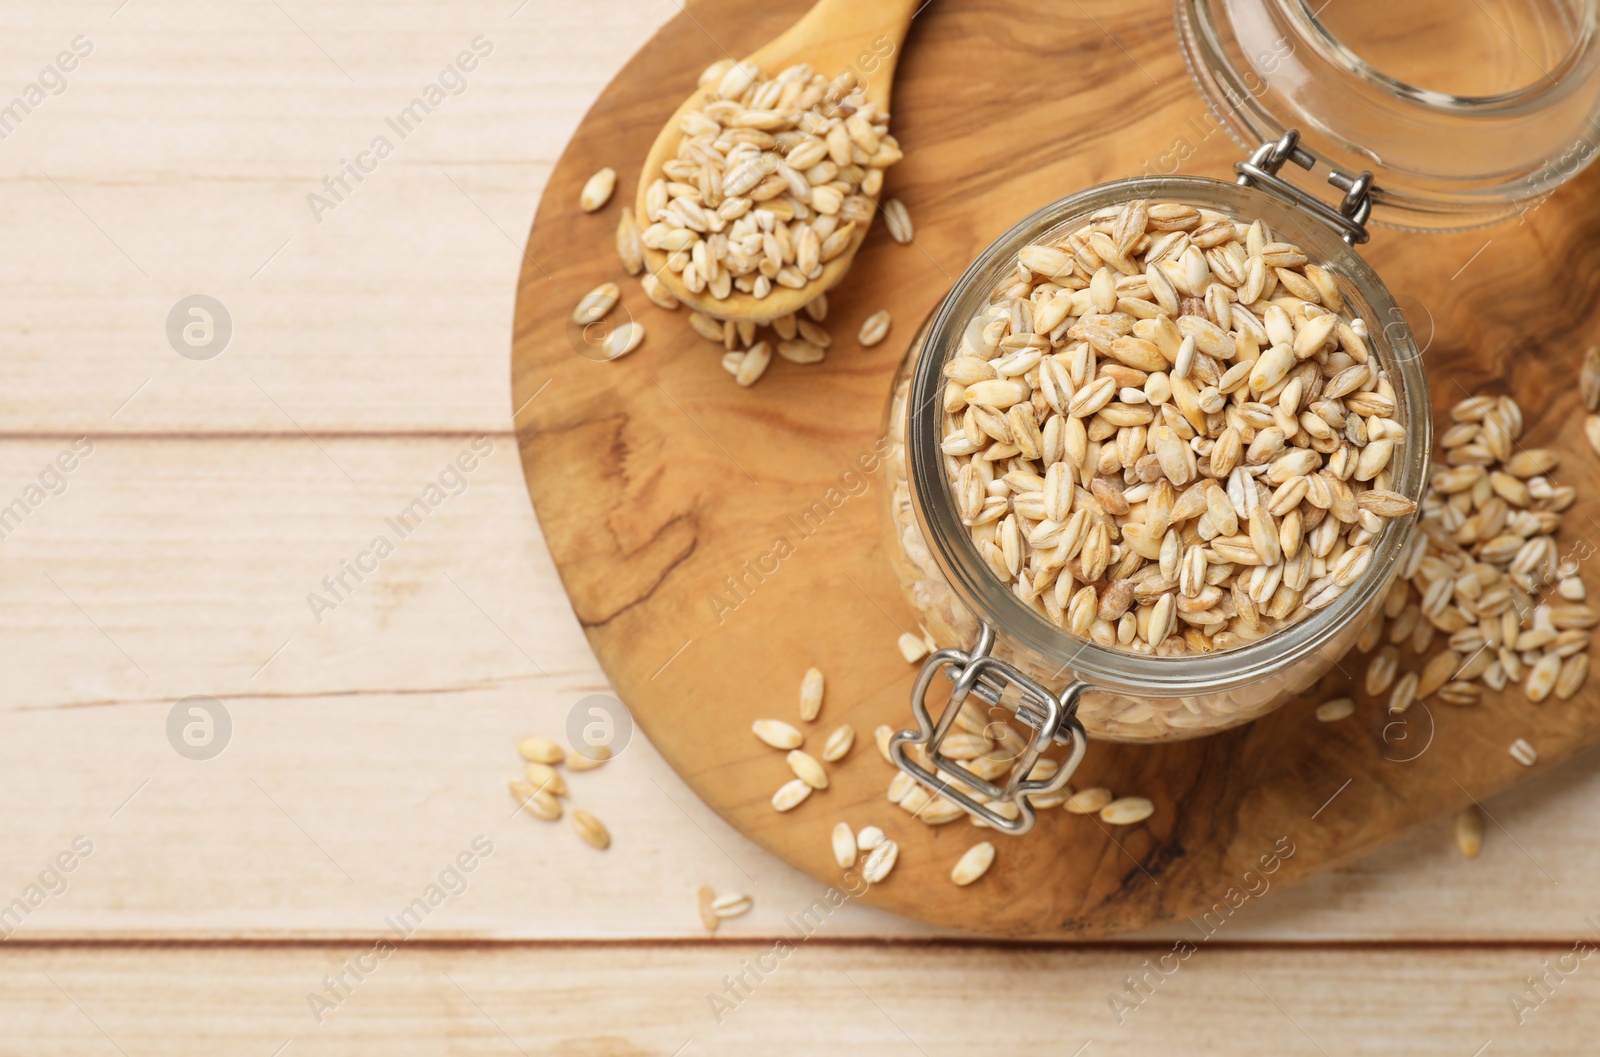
1052,717
1349,219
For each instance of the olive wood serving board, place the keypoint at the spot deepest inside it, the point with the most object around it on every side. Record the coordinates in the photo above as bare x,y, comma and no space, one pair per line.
658,481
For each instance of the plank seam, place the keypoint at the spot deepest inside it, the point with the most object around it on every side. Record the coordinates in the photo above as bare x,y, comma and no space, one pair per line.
933,944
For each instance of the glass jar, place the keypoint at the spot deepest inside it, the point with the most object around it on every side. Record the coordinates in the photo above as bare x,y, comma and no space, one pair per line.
1491,154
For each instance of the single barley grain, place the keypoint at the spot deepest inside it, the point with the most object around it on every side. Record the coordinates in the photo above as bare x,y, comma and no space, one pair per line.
540,750
1127,811
591,757
1524,753
708,916
961,745
624,340
1438,671
813,332
874,329
880,861
807,769
1335,710
869,837
1589,378
777,733
897,220
732,905
1403,694
921,804
754,364
536,801
811,694
591,829
1371,635
707,327
597,190
839,743
1460,694
629,248
880,736
1494,677
1573,616
1574,670
596,303
973,864
1542,678
912,648
1381,670
1530,462
543,776
1469,831
790,795
939,811
1088,801
714,73
844,846
801,352
657,292
1045,801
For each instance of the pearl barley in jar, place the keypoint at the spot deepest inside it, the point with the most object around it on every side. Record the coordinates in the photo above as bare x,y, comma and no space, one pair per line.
1165,434
1151,458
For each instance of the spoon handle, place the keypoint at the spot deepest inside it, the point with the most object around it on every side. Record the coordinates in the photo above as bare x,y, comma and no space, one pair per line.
864,36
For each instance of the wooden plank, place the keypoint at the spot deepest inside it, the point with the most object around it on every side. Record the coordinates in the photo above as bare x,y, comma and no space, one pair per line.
841,999
180,158
386,731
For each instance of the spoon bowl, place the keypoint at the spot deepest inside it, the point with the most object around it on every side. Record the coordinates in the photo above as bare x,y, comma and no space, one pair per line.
835,36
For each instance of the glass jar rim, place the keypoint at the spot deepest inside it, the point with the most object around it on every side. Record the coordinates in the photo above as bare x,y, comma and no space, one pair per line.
1441,161
994,602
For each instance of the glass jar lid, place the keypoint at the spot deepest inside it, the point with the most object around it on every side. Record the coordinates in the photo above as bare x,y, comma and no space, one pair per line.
1464,114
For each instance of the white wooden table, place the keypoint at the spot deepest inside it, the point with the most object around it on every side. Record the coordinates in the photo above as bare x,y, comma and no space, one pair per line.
370,742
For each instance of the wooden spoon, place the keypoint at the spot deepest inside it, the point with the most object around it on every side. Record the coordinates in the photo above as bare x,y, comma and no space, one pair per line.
834,36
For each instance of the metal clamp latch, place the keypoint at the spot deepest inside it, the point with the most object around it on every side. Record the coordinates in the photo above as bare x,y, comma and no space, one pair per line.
1051,716
1261,172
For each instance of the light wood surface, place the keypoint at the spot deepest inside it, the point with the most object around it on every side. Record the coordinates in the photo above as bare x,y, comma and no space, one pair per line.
191,137
821,998
659,483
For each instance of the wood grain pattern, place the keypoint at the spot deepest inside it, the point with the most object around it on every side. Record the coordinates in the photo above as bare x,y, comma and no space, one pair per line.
821,999
656,481
179,160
